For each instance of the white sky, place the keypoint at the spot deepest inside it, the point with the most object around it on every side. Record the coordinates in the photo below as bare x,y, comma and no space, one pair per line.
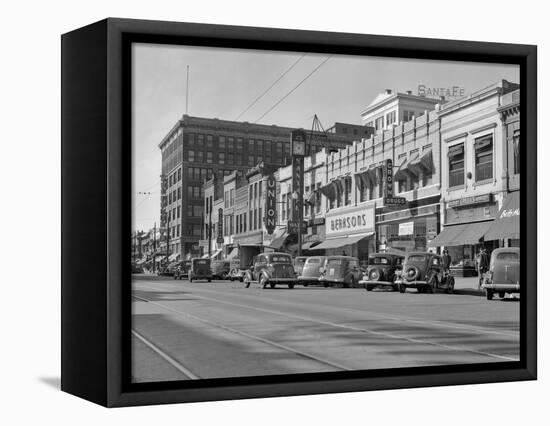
224,82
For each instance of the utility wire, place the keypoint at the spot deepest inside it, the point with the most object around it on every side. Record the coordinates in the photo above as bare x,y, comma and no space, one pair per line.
270,87
295,87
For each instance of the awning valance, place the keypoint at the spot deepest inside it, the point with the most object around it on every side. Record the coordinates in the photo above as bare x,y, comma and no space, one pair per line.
506,225
457,235
342,241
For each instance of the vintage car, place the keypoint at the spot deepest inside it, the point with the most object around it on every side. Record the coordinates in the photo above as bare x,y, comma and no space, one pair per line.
182,270
381,271
311,272
271,269
425,272
340,270
167,270
299,264
200,270
503,274
220,269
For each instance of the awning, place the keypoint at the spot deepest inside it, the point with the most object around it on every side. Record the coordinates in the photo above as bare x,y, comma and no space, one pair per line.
423,162
278,242
329,191
204,256
365,179
173,257
405,167
457,235
215,253
233,254
342,241
506,225
310,245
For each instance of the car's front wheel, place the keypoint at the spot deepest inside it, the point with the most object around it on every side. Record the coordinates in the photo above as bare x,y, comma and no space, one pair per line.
489,294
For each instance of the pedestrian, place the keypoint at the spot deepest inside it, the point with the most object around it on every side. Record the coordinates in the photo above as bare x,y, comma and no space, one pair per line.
446,260
344,253
482,262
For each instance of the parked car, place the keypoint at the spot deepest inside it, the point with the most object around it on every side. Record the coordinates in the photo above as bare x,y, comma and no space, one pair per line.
311,272
220,269
381,271
299,264
200,270
167,270
503,274
137,269
342,270
271,269
237,274
182,270
425,272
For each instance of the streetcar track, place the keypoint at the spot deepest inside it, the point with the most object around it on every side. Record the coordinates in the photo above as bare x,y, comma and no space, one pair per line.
170,360
346,327
440,324
250,336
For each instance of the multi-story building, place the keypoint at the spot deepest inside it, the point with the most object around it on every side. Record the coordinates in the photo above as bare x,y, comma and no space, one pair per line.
196,149
436,180
477,169
389,109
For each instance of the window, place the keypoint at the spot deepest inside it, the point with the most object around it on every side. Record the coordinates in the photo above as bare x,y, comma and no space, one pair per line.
347,191
191,139
408,115
484,158
179,193
260,145
200,140
200,156
230,158
239,144
516,151
221,157
209,156
283,208
250,145
379,123
456,165
209,141
179,175
279,149
191,156
230,143
390,118
370,124
221,141
250,160
402,186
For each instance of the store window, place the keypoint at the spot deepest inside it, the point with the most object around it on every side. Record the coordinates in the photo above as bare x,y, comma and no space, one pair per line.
484,158
456,165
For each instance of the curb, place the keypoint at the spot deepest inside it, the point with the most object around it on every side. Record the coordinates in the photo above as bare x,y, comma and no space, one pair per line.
469,292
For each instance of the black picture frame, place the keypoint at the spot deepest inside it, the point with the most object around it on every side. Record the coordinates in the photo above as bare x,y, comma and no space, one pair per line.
96,215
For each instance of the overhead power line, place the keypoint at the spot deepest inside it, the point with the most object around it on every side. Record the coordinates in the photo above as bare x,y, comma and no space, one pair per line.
270,87
293,89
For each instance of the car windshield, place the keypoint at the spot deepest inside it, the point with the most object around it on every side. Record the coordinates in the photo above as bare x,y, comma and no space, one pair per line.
508,256
335,262
313,261
416,258
280,259
379,261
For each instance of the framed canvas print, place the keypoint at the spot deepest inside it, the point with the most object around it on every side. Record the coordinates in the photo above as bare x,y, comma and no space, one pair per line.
254,212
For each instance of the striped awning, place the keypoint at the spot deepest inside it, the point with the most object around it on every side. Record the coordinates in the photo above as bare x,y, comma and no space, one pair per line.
461,234
506,225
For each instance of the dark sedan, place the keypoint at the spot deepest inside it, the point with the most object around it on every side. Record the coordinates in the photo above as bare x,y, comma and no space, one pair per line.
381,271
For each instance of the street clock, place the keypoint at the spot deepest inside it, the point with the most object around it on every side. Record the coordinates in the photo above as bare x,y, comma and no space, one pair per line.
298,143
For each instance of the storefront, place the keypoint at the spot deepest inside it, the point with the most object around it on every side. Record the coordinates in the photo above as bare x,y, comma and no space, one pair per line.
467,220
505,228
350,232
410,228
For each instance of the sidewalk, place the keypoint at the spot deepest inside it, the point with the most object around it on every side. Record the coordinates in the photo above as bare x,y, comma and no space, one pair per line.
467,286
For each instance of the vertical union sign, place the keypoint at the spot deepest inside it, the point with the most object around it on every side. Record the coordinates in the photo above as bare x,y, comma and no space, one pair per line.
270,204
388,171
220,226
297,186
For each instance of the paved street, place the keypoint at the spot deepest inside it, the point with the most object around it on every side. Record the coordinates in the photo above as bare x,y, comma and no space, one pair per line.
185,330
